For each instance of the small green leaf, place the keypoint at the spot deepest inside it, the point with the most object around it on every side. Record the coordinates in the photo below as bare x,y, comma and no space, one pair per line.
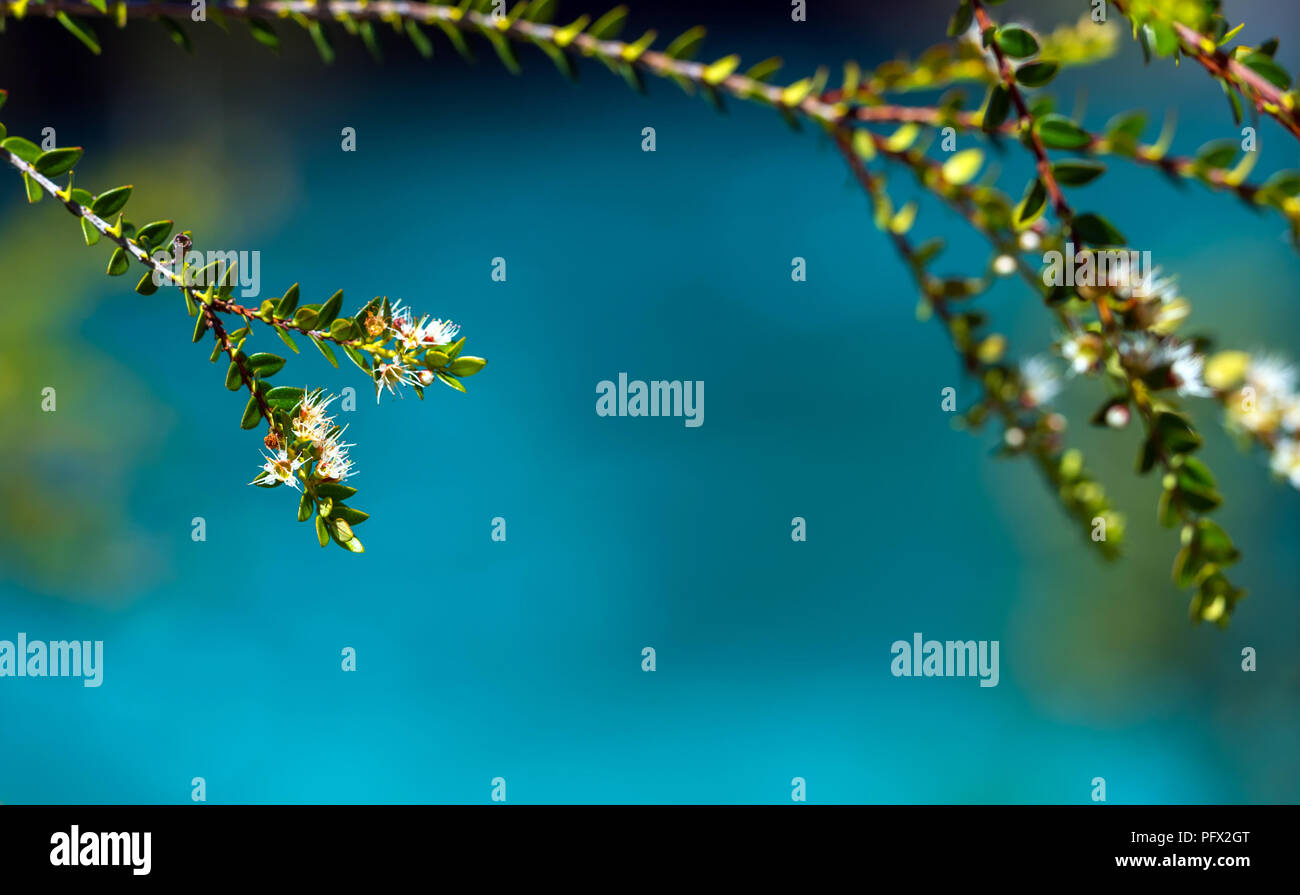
961,19
264,34
1287,183
1127,125
23,148
1147,456
467,366
963,166
608,26
503,50
348,514
797,92
330,310
34,191
1267,69
79,31
177,34
1175,433
450,380
720,70
252,414
110,203
58,161
1036,74
119,262
357,357
284,397
421,41
325,350
1096,230
322,533
335,491
284,337
234,378
1215,544
264,365
146,286
344,329
153,233
1016,41
285,306
764,70
1059,132
997,108
1031,205
686,44
88,232
1218,153
1077,172
323,46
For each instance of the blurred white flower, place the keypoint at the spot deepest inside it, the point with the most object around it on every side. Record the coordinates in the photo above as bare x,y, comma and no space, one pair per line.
1083,351
1271,375
1039,381
1286,460
1186,370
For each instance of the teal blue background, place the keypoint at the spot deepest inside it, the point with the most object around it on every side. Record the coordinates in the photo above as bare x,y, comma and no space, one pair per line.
521,659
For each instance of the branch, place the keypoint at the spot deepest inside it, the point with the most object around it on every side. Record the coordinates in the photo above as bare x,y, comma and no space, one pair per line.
1009,392
1270,98
306,450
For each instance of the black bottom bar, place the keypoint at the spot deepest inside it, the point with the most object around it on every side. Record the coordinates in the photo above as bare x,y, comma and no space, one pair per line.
375,843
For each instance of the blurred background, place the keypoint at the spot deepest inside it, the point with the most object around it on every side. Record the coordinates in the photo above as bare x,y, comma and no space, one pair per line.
478,659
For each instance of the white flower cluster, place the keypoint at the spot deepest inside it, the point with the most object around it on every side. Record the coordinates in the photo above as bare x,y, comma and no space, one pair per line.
312,424
410,337
1267,406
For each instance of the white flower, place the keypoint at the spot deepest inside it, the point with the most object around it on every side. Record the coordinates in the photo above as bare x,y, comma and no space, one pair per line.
1083,351
1186,370
406,331
1154,287
1291,413
438,332
1286,460
1039,381
1141,353
334,462
391,375
1271,375
311,422
1004,265
278,468
418,335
